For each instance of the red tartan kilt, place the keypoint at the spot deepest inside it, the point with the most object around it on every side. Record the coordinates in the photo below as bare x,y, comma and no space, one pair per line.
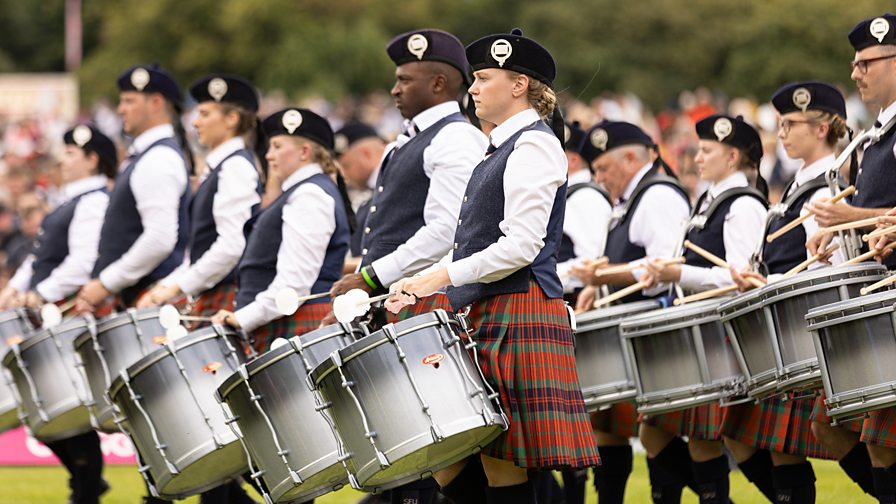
113,304
820,415
775,424
879,428
421,307
215,299
526,352
306,319
703,422
620,419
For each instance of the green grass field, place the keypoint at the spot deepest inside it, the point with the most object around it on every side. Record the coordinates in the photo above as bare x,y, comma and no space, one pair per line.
48,485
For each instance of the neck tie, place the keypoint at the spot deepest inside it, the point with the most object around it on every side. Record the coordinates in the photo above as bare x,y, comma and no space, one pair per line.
491,149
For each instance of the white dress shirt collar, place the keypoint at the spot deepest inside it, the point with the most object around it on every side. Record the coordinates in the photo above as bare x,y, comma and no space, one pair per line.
582,176
81,186
635,180
301,174
887,113
151,136
736,179
371,180
434,114
220,153
809,172
513,124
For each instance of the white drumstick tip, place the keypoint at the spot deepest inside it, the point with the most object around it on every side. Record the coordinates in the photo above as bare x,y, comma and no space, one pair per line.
176,332
279,342
50,315
169,317
287,301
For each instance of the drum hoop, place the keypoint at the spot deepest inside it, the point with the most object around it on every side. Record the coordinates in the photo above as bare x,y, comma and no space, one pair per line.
849,304
795,290
597,322
640,329
117,320
10,315
40,335
741,304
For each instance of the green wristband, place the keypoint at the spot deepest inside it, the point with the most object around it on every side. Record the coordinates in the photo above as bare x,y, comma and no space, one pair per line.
367,278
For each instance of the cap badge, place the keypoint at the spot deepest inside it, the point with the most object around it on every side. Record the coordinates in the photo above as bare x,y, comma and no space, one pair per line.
139,78
567,133
217,88
722,128
801,98
417,45
599,138
81,135
340,143
879,28
501,50
291,120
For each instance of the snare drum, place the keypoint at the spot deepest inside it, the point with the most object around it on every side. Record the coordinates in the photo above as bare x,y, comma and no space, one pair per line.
119,341
408,400
856,345
294,449
167,400
681,357
53,394
751,328
14,326
602,360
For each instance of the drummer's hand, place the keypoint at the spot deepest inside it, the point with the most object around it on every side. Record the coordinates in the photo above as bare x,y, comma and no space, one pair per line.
586,298
584,271
329,319
660,272
81,307
33,300
158,295
408,290
8,297
225,317
94,292
831,214
818,242
349,282
740,278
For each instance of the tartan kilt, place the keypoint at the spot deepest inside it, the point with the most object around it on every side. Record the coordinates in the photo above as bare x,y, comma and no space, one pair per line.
220,297
113,304
702,422
880,428
306,319
525,348
620,419
820,415
775,424
421,307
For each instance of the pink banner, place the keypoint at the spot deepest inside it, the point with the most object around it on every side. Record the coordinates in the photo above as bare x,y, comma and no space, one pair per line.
18,448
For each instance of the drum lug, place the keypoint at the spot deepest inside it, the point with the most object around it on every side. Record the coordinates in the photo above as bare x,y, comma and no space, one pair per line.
257,474
295,477
171,467
255,397
323,406
381,457
436,433
344,457
336,358
283,453
353,481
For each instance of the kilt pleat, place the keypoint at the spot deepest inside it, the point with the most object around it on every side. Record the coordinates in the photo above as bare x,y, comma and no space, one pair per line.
526,351
879,428
620,419
306,319
776,424
702,422
220,297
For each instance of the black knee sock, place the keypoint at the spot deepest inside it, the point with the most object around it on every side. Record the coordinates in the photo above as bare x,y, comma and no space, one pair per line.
665,487
524,493
545,485
712,480
574,485
417,492
794,483
87,463
884,485
470,484
676,460
857,465
758,471
612,474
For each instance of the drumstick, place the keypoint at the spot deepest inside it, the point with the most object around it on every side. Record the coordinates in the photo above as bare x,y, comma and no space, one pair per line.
709,256
799,220
705,295
590,263
620,294
623,268
877,285
850,225
808,262
879,232
868,255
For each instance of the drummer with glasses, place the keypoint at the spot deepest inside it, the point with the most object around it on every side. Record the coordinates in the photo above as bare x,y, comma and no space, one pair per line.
812,122
62,261
727,220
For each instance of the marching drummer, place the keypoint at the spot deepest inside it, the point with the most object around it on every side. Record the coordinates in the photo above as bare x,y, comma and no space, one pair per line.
626,162
728,222
145,228
300,240
419,187
504,270
61,264
228,195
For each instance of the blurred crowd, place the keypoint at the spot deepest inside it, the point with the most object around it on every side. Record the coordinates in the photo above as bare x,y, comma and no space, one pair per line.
29,172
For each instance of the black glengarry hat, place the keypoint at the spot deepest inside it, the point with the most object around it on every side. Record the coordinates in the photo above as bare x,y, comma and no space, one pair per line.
223,88
299,122
512,51
150,79
608,135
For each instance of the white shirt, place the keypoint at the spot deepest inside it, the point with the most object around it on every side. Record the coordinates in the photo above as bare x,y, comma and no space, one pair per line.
157,181
448,161
83,240
656,224
742,232
535,170
309,221
586,222
232,207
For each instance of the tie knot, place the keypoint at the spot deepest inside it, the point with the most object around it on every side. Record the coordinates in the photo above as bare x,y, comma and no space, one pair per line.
491,149
411,130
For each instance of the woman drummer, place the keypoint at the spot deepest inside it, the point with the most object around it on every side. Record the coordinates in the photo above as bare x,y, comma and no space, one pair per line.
300,240
503,270
61,264
227,197
727,221
813,120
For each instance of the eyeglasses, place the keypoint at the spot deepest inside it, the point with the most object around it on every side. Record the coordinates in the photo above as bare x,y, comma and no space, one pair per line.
862,65
786,124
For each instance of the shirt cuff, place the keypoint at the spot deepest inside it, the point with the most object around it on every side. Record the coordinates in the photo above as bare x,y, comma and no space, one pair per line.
113,282
461,273
637,273
250,317
387,270
191,283
48,294
690,277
